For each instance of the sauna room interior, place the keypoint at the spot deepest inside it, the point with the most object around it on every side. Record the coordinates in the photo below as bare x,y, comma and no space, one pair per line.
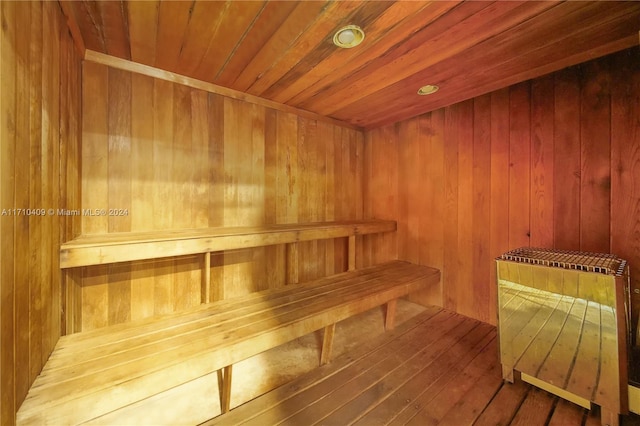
318,194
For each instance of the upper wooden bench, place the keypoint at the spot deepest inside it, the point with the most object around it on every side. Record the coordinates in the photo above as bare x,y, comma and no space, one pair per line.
129,246
94,373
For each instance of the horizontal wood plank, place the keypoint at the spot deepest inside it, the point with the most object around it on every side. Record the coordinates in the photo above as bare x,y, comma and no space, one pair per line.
113,368
129,246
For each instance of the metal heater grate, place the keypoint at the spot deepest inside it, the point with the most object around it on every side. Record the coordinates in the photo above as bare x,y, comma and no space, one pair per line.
580,261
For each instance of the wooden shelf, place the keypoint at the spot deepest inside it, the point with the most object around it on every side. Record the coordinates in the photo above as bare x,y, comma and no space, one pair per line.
129,246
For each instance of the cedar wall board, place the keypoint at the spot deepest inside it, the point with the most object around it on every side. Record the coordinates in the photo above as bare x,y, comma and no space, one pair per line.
40,72
552,162
169,156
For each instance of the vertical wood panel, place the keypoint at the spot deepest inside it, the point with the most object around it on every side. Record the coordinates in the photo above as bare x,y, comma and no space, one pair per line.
625,167
519,163
21,198
202,160
481,208
430,197
566,174
450,269
499,186
39,164
465,297
595,143
551,163
8,66
542,97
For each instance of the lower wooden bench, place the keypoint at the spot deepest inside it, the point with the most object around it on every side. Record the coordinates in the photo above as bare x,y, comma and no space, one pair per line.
387,380
95,373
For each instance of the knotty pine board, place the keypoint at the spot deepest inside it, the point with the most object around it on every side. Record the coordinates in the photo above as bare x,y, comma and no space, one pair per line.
177,157
559,147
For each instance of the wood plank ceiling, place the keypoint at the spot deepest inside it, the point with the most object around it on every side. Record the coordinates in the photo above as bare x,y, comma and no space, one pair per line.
283,51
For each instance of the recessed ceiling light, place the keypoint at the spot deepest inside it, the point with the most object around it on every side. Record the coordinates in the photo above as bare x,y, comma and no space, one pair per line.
428,89
348,37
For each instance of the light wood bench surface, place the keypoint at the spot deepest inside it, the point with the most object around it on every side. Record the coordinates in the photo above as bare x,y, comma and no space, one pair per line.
129,246
93,373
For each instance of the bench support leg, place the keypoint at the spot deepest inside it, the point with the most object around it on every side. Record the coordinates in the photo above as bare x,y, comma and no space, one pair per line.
327,343
352,253
390,317
292,263
224,388
206,278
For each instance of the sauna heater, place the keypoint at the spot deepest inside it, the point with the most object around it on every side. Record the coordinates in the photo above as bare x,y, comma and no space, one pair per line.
563,320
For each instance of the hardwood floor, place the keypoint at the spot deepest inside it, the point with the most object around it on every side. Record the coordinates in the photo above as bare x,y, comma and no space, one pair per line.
436,368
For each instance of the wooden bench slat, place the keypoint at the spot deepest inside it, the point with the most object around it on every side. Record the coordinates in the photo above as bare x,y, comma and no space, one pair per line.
92,388
289,399
226,307
211,335
121,247
103,356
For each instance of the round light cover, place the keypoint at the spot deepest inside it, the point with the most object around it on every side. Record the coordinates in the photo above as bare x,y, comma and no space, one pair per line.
348,37
428,89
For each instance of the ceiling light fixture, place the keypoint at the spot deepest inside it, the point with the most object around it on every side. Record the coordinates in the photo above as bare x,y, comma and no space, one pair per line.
348,37
427,90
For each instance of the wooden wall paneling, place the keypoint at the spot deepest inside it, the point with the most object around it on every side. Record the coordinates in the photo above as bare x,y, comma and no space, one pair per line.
275,255
566,183
287,183
256,200
481,208
431,197
186,280
595,155
215,171
340,260
542,160
162,214
326,133
142,276
450,271
466,281
381,188
201,275
408,190
119,188
50,163
21,198
305,136
200,157
357,167
38,170
95,144
8,91
499,242
519,163
625,168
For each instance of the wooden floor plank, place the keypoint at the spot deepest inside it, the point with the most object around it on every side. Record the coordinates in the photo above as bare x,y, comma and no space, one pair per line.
336,397
436,376
443,371
566,413
368,355
505,404
535,410
432,403
411,365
